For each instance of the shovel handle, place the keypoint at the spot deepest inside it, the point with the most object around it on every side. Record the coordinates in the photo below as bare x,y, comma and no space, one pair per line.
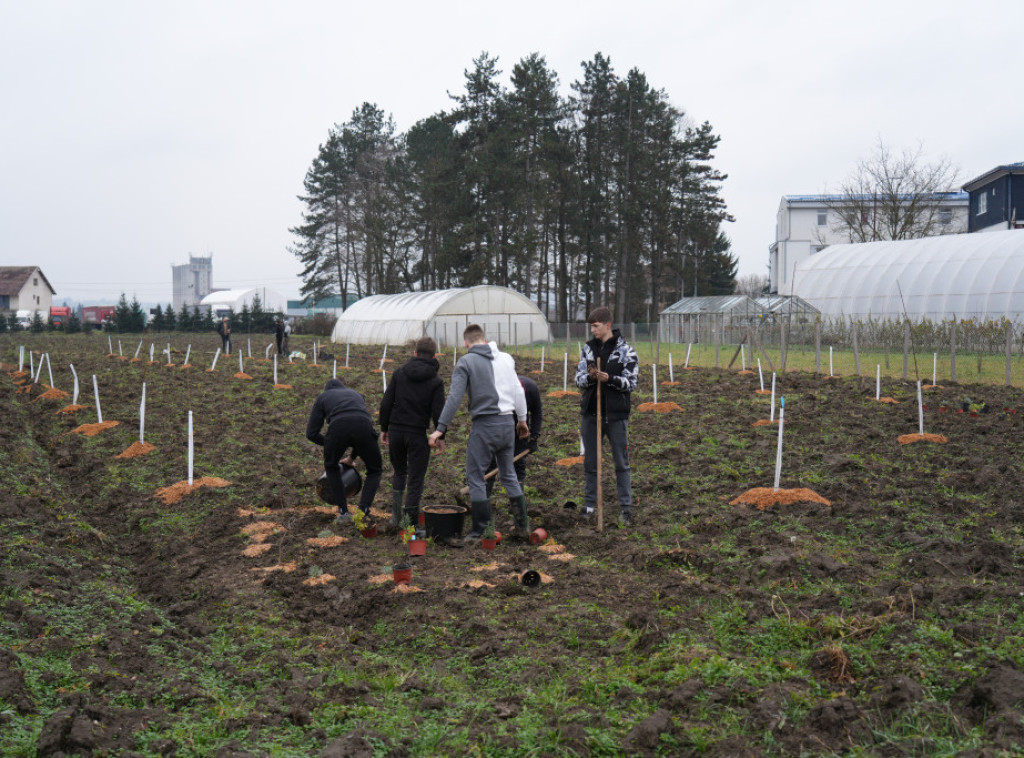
493,472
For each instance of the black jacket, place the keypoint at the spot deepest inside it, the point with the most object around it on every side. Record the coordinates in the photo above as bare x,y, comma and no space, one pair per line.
414,396
335,402
534,411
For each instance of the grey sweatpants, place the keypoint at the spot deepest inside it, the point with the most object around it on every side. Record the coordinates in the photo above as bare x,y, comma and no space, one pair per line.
615,432
491,437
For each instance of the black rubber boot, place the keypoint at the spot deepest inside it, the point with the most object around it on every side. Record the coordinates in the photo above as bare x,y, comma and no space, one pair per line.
517,505
626,516
481,513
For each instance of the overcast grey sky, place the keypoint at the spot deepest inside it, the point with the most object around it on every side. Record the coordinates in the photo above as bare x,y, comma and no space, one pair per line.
134,132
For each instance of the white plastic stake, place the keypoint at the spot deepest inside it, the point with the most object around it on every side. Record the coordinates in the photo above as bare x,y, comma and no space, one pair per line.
346,354
110,345
150,352
188,352
335,374
920,409
49,369
142,415
31,366
21,359
771,416
542,349
778,450
878,381
275,368
169,353
314,352
138,349
654,373
687,363
760,374
565,372
74,397
241,370
191,450
249,347
96,393
39,370
216,355
830,371
266,353
582,450
383,356
935,366
384,379
671,371
743,357
119,350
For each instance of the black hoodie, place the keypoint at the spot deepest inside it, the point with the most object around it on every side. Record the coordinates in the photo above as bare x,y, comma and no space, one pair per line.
414,396
335,401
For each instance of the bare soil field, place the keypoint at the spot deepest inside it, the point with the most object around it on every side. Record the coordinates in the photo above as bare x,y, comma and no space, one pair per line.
230,620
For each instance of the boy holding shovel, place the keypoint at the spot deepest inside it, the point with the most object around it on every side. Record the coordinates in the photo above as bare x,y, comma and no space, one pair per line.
494,394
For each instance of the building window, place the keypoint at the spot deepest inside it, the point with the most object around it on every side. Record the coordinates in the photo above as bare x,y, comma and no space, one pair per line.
982,204
35,281
822,218
945,216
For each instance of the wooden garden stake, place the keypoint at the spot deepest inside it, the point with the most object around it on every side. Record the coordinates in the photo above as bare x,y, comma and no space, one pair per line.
96,394
314,353
778,449
213,366
191,449
830,371
142,416
760,374
600,504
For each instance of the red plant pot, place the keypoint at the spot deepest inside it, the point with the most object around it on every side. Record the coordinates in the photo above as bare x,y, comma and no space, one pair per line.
402,575
370,533
497,537
417,547
973,414
943,408
488,544
421,519
538,535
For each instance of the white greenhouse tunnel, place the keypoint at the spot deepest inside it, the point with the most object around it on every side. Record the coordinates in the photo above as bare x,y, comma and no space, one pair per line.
507,317
976,276
222,301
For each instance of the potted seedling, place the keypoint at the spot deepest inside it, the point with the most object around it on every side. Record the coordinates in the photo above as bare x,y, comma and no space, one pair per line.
489,540
402,573
364,524
408,535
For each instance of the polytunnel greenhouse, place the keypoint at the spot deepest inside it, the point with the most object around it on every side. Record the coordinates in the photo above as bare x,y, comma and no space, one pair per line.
507,317
977,276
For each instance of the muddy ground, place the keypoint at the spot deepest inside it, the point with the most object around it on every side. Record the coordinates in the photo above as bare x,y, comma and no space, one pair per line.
886,623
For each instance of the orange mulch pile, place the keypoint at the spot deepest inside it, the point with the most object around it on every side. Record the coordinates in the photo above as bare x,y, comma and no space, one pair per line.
53,394
670,384
564,557
405,589
209,370
71,409
762,392
536,371
932,387
282,386
137,450
689,368
176,492
833,376
477,584
745,372
569,461
890,400
135,360
907,439
316,581
658,407
241,375
380,578
285,567
764,422
91,430
261,531
326,541
256,549
562,393
763,497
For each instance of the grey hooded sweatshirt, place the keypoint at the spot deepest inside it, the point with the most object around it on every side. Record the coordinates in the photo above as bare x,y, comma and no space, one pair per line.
475,371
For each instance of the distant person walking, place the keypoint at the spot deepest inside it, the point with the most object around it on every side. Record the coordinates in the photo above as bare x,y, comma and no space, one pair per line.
279,335
414,398
224,330
348,426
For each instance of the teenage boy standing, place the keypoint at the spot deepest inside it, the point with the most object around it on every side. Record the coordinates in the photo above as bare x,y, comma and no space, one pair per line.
414,397
494,395
616,380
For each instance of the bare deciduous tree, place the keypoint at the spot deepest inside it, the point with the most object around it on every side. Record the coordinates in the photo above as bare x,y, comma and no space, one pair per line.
892,196
752,285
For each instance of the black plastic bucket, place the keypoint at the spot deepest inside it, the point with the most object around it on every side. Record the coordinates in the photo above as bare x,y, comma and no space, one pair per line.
443,521
350,478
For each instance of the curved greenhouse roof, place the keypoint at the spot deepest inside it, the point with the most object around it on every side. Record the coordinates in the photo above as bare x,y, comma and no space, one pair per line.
506,316
977,275
223,300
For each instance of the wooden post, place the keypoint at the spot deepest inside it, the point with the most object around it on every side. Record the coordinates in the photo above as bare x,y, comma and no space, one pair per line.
600,505
817,349
906,347
856,348
952,350
1009,349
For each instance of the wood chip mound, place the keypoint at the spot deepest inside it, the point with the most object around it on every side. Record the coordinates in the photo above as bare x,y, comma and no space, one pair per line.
405,589
762,392
208,371
325,509
486,567
332,541
564,557
569,461
833,376
285,567
253,551
764,497
91,430
562,393
909,439
176,492
260,531
137,450
69,409
242,375
477,584
670,384
53,394
764,422
282,386
932,387
658,407
316,581
551,549
745,372
890,400
380,578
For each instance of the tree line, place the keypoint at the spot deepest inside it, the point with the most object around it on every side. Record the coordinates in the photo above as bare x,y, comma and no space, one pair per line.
608,196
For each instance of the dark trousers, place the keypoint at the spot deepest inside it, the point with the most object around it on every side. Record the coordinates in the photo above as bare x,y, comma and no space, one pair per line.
225,344
358,434
615,432
410,455
280,341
